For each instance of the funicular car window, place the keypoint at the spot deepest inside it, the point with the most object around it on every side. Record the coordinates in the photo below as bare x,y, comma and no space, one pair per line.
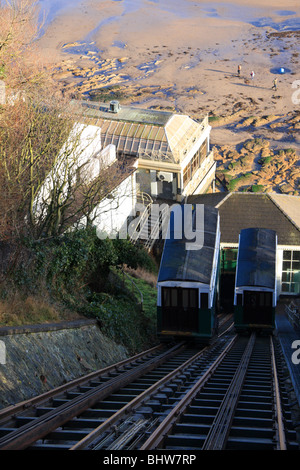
179,297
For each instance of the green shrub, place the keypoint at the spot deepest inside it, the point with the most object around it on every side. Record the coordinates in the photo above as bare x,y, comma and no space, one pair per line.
265,160
256,188
232,184
78,271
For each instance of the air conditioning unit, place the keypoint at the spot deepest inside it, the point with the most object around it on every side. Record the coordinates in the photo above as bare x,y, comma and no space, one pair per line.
165,176
114,106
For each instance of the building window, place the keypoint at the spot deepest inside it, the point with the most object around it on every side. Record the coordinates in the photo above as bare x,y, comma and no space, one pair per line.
228,259
203,152
290,281
187,174
195,163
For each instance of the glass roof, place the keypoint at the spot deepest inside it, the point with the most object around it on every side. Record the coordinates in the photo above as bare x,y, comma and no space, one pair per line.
150,134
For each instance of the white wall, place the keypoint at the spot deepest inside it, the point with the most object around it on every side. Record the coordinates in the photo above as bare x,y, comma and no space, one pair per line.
81,156
196,147
110,216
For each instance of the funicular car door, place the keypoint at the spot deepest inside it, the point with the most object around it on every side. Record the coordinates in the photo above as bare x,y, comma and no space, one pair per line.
257,307
180,308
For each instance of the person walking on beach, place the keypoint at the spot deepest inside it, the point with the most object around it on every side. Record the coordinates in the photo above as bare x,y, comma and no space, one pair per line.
239,70
252,75
274,87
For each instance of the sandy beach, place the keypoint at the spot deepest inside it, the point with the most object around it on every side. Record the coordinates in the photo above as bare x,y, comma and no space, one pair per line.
184,55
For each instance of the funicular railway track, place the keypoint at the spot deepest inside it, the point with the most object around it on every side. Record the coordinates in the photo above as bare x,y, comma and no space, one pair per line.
237,404
162,399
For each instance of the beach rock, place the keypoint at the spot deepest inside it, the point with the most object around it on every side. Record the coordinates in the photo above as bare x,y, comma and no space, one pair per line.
62,75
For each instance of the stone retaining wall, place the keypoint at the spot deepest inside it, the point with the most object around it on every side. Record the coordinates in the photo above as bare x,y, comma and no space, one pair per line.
41,357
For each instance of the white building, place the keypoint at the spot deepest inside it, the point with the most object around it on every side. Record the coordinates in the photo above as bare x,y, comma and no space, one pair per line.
83,158
173,150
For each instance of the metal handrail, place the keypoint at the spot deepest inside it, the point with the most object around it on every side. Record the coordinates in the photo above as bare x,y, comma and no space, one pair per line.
293,316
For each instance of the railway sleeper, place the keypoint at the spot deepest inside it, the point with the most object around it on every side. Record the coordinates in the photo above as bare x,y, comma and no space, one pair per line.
59,401
84,423
43,446
246,396
215,395
186,428
184,441
21,420
193,418
131,390
5,431
41,410
135,386
254,392
121,397
238,431
257,376
95,413
256,405
200,402
222,384
111,405
240,421
263,387
249,443
256,413
258,386
70,435
194,429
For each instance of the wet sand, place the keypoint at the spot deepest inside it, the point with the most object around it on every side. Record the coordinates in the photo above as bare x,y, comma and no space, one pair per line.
182,46
183,55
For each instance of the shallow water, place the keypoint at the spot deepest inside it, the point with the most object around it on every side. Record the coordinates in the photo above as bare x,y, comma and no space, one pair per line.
184,9
50,9
279,20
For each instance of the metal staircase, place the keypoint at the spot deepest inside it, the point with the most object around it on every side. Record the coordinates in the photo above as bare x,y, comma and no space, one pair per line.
151,224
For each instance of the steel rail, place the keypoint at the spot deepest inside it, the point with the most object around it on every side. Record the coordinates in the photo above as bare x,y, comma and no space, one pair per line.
281,441
167,424
133,404
12,410
29,433
220,428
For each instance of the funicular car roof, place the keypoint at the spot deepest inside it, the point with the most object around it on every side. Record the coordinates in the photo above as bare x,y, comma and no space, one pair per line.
256,266
181,264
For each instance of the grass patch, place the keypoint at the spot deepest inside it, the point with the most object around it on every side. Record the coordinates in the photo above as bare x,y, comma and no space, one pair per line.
212,119
257,188
265,160
232,184
21,309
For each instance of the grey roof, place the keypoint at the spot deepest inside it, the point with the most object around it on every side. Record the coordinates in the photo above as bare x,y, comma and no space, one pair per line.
180,264
290,205
256,264
126,113
244,210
